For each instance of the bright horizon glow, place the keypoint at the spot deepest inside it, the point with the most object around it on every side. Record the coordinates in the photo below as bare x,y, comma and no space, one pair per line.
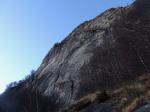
29,28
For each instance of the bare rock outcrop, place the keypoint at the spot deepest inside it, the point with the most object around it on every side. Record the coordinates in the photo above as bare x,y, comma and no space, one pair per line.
101,54
102,66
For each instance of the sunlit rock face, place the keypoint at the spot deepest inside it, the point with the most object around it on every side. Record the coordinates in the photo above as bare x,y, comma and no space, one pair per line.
76,66
100,54
102,66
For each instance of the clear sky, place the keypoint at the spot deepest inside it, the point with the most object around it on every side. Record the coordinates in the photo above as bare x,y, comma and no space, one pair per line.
29,28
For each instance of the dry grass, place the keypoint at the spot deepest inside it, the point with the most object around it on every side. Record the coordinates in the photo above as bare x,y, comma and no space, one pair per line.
133,94
90,97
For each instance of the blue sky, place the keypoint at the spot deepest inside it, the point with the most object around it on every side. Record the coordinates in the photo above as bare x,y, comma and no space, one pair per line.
29,28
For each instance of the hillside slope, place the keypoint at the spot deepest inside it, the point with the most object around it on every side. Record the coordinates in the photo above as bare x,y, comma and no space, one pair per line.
102,66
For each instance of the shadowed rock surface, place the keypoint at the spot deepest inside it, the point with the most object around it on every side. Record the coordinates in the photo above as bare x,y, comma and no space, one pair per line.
102,66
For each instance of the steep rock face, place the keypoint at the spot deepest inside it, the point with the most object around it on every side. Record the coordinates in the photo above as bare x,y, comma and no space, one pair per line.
101,54
102,66
65,67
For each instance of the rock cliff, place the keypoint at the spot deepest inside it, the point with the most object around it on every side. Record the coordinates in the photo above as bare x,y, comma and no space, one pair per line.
102,66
